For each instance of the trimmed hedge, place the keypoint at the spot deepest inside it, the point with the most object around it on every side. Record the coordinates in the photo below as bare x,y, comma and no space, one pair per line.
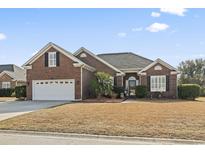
20,91
118,90
141,91
202,92
6,92
189,91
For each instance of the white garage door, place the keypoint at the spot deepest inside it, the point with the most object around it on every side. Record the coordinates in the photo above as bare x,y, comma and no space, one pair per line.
53,89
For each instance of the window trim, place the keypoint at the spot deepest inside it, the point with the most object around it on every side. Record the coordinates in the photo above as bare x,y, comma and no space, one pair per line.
158,83
112,79
54,59
6,85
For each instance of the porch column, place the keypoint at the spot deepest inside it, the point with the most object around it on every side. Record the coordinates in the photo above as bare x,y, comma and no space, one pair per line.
119,81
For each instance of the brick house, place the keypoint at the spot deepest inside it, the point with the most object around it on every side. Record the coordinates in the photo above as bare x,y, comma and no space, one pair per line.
11,76
56,74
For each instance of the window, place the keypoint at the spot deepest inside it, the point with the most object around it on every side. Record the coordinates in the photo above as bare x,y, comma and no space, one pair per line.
112,80
83,55
6,85
52,59
158,68
158,83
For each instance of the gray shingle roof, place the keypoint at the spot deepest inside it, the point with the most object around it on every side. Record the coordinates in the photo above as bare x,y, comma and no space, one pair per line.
126,60
14,71
8,67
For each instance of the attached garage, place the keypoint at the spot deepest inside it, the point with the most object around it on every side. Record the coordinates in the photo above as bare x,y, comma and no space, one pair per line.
53,89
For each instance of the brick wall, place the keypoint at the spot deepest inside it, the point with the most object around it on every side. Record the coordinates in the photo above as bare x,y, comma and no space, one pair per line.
172,93
6,78
90,60
87,77
64,71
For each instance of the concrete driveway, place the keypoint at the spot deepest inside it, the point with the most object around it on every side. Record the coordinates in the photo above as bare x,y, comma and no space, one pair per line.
14,108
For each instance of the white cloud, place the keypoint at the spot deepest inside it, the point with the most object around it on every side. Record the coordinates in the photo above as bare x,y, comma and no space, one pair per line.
156,27
2,36
174,11
155,14
137,29
122,34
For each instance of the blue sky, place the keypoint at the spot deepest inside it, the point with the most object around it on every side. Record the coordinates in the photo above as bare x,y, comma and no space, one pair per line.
173,35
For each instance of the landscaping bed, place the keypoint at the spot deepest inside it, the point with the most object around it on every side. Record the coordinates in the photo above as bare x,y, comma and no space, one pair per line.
103,100
145,118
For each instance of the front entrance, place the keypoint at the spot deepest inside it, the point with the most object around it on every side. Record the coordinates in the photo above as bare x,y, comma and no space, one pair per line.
132,86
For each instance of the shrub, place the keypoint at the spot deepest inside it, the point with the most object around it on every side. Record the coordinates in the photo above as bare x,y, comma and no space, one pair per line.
141,91
102,84
6,92
202,91
118,90
20,91
189,91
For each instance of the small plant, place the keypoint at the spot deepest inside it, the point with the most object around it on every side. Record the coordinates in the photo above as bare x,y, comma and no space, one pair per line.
189,91
118,91
6,92
20,91
141,91
102,84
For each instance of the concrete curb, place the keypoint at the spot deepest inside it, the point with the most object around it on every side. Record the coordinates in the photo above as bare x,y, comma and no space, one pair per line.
75,135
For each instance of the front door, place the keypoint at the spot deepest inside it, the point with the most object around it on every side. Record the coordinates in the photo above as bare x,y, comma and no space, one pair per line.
132,86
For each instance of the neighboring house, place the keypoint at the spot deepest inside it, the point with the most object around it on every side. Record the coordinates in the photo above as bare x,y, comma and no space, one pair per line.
56,74
11,76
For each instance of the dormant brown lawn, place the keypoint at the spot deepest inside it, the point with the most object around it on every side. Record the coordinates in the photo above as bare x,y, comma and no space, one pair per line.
164,118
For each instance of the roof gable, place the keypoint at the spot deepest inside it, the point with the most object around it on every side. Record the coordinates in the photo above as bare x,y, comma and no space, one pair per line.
60,49
17,73
160,62
46,48
82,49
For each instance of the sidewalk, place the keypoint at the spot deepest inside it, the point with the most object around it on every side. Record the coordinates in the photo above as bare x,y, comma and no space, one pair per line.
32,138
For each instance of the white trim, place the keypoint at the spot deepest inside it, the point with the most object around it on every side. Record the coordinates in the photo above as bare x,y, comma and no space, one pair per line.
158,68
96,57
131,70
120,74
174,72
6,85
46,48
89,68
5,72
28,67
50,54
83,55
143,74
160,62
77,65
154,86
81,83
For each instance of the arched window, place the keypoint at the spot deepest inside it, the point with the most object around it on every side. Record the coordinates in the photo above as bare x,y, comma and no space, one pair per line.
83,55
132,78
